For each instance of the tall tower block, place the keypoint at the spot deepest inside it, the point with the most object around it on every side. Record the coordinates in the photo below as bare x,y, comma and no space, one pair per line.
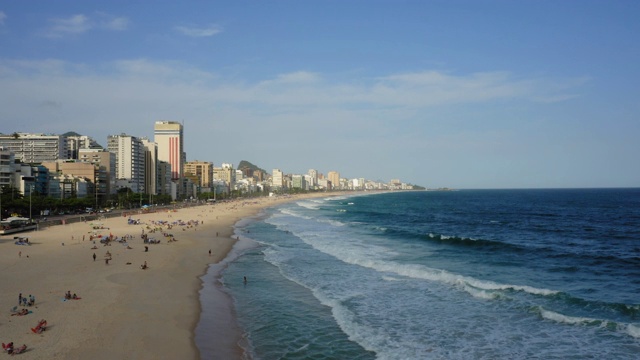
168,135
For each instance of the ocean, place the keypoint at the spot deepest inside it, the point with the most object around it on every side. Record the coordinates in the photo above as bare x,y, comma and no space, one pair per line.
469,274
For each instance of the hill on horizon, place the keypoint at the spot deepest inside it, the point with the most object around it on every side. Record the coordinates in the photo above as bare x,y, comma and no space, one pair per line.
247,164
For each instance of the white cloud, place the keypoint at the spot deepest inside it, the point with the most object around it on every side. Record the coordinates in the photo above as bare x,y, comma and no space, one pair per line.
128,96
80,23
199,32
117,24
384,117
3,16
298,77
301,88
76,24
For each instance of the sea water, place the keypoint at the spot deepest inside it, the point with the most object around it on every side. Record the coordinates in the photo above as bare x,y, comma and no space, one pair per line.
470,274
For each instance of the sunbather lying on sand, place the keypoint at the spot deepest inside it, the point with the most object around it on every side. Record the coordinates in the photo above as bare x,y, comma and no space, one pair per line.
21,312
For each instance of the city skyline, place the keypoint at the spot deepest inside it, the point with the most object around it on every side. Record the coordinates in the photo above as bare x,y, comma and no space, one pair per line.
461,94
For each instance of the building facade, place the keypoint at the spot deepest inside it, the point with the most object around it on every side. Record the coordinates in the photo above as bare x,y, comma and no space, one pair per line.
200,170
150,167
35,148
277,179
334,178
7,170
130,161
168,135
106,163
76,143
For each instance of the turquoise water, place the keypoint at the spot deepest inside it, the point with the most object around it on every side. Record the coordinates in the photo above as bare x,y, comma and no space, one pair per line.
444,275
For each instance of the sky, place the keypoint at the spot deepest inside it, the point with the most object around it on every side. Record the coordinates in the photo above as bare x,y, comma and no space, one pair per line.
459,94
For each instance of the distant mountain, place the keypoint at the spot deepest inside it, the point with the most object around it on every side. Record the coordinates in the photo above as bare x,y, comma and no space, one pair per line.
246,164
71,133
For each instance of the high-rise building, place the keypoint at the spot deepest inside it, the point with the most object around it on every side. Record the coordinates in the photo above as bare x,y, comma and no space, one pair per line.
35,148
225,173
130,161
168,135
200,170
313,177
299,182
7,170
277,179
106,162
150,167
75,143
163,179
334,177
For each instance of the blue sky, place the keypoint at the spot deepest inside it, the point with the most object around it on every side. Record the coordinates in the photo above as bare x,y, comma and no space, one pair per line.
463,94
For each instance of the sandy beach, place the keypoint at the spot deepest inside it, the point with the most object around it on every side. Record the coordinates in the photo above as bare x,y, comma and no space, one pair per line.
124,311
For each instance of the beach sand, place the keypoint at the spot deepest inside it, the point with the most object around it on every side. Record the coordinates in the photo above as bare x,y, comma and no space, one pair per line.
124,312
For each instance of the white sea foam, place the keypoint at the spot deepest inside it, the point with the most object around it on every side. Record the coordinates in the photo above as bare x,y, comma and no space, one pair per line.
490,285
371,256
331,222
481,294
294,213
633,330
308,205
573,320
629,329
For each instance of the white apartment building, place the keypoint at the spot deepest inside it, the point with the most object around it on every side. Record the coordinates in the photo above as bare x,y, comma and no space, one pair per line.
6,167
76,143
277,179
130,161
35,148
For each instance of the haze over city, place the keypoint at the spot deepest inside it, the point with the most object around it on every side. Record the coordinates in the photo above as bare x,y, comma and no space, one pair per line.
460,94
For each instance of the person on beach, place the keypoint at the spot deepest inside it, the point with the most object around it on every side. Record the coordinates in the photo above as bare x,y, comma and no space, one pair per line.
144,266
21,313
42,326
209,252
94,256
19,299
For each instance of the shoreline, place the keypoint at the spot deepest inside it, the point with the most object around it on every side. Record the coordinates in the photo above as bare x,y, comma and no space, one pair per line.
124,311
